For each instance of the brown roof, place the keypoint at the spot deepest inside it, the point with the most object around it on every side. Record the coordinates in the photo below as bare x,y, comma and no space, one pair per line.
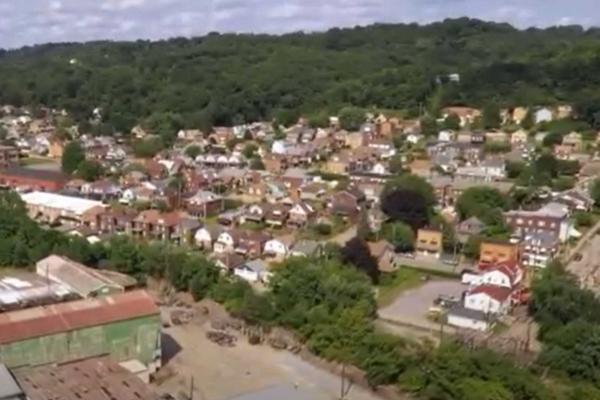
91,379
497,293
35,322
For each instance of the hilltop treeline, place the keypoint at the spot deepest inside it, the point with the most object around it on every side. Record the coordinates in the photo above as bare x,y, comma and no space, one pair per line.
229,79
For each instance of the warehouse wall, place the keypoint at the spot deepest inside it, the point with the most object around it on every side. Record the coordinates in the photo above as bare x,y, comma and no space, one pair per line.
133,339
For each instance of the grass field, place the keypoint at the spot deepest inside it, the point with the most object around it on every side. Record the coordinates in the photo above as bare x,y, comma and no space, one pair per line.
391,285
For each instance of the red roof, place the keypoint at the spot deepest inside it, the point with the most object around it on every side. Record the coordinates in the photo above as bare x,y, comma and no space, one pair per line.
510,269
42,321
497,293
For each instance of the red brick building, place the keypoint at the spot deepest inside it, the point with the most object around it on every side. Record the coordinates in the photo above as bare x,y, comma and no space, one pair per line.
18,177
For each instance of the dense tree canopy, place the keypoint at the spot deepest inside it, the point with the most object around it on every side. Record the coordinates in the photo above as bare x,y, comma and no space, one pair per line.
73,155
227,79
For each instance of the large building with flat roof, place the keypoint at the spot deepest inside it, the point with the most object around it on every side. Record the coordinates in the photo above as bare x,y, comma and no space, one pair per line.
57,208
123,326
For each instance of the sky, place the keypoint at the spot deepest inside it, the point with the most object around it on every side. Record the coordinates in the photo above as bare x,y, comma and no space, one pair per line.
27,22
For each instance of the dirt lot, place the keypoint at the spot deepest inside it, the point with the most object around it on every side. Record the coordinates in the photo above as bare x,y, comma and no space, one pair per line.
221,373
411,306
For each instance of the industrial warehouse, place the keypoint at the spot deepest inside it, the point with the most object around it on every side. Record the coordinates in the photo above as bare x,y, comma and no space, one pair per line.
66,319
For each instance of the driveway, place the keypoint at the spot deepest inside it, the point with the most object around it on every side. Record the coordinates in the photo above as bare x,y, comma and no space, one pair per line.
410,308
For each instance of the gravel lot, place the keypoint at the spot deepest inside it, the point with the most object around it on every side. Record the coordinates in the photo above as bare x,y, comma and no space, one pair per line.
222,373
411,306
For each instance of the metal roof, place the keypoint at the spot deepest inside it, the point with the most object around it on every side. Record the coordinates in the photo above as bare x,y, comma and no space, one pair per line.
75,205
9,389
35,322
91,379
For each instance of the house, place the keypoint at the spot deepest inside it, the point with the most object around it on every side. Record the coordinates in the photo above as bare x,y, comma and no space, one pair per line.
9,155
446,136
172,226
552,218
519,114
574,199
56,148
492,253
519,137
256,213
300,214
573,140
279,247
544,114
204,203
276,215
206,236
306,248
383,252
508,275
116,220
414,138
312,191
496,137
355,140
539,248
489,170
338,163
347,202
464,137
228,261
469,227
562,152
489,299
421,168
429,242
253,271
466,318
466,115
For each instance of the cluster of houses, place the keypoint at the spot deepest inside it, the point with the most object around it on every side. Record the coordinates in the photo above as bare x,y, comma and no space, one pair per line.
217,199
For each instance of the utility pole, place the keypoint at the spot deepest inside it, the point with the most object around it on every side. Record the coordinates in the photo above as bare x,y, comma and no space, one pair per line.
191,396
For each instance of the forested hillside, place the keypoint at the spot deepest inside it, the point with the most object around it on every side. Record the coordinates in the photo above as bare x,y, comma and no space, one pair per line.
227,79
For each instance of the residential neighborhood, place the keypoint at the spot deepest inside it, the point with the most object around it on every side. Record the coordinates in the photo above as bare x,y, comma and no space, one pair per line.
389,211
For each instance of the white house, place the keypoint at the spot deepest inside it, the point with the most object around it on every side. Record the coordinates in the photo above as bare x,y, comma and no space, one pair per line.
279,247
253,271
507,275
465,318
379,169
206,236
446,136
489,299
279,147
414,138
543,115
225,243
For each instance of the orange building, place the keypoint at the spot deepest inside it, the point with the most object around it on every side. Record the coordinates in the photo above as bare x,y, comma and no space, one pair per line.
492,253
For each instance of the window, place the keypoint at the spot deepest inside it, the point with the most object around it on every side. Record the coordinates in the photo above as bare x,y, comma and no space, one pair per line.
541,223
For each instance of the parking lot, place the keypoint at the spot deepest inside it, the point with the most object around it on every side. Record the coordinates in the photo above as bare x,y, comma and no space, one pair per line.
411,307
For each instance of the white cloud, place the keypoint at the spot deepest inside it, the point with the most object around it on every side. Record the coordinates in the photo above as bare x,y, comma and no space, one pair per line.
38,21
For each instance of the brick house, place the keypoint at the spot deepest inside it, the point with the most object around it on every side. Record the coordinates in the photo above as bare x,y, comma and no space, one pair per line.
47,181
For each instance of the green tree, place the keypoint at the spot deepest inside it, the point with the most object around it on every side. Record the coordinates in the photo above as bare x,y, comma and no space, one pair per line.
528,122
193,151
479,201
452,122
73,155
429,126
250,150
400,235
491,116
395,164
90,170
351,118
413,183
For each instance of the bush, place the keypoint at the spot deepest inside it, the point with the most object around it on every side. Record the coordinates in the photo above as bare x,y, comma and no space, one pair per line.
323,229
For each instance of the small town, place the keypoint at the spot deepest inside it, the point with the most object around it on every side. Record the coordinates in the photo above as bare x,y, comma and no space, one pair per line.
383,238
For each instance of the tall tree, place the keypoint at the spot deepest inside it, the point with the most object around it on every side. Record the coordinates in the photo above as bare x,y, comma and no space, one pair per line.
491,116
73,155
357,253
